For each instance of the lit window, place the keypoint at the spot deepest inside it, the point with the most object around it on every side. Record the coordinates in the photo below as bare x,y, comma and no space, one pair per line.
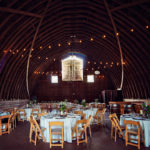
90,78
72,68
54,79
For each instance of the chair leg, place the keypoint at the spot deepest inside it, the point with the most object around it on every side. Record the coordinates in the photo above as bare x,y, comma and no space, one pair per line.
85,137
126,139
30,135
36,134
90,131
139,140
115,134
50,143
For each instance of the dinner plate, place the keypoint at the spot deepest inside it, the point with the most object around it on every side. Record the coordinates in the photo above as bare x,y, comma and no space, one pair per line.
126,116
138,118
48,117
59,117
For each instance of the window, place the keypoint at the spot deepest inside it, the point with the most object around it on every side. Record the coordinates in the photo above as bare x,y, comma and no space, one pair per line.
72,68
90,78
54,79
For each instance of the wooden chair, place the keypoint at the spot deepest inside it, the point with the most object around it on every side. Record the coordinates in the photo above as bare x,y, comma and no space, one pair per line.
80,129
112,125
59,131
42,114
35,128
21,115
88,124
35,113
83,116
4,124
133,130
99,117
12,120
100,106
116,125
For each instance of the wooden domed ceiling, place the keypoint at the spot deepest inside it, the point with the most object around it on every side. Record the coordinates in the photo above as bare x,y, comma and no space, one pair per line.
42,31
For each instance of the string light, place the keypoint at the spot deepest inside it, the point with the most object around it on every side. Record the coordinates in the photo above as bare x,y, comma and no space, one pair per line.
101,62
117,63
24,49
147,27
106,63
22,55
80,41
49,46
91,39
104,36
39,57
123,63
59,45
69,43
117,34
46,58
132,30
41,47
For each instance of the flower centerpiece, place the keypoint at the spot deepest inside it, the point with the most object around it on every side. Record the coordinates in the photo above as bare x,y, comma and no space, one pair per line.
83,103
62,107
146,108
96,100
30,103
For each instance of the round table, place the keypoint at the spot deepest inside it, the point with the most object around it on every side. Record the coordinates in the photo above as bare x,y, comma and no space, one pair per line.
69,123
145,124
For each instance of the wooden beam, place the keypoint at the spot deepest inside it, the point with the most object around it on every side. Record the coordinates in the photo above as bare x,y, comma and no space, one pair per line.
118,41
137,2
32,45
15,11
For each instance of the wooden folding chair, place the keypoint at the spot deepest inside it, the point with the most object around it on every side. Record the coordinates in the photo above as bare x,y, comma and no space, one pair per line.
118,129
35,128
21,115
99,117
83,116
114,124
88,124
42,114
134,133
35,113
59,131
4,124
12,120
80,130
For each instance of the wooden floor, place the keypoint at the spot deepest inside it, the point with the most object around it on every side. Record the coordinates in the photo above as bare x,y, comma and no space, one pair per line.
19,140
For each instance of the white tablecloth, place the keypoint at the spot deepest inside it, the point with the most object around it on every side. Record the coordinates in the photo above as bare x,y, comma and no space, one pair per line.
4,113
69,122
145,124
29,110
88,112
